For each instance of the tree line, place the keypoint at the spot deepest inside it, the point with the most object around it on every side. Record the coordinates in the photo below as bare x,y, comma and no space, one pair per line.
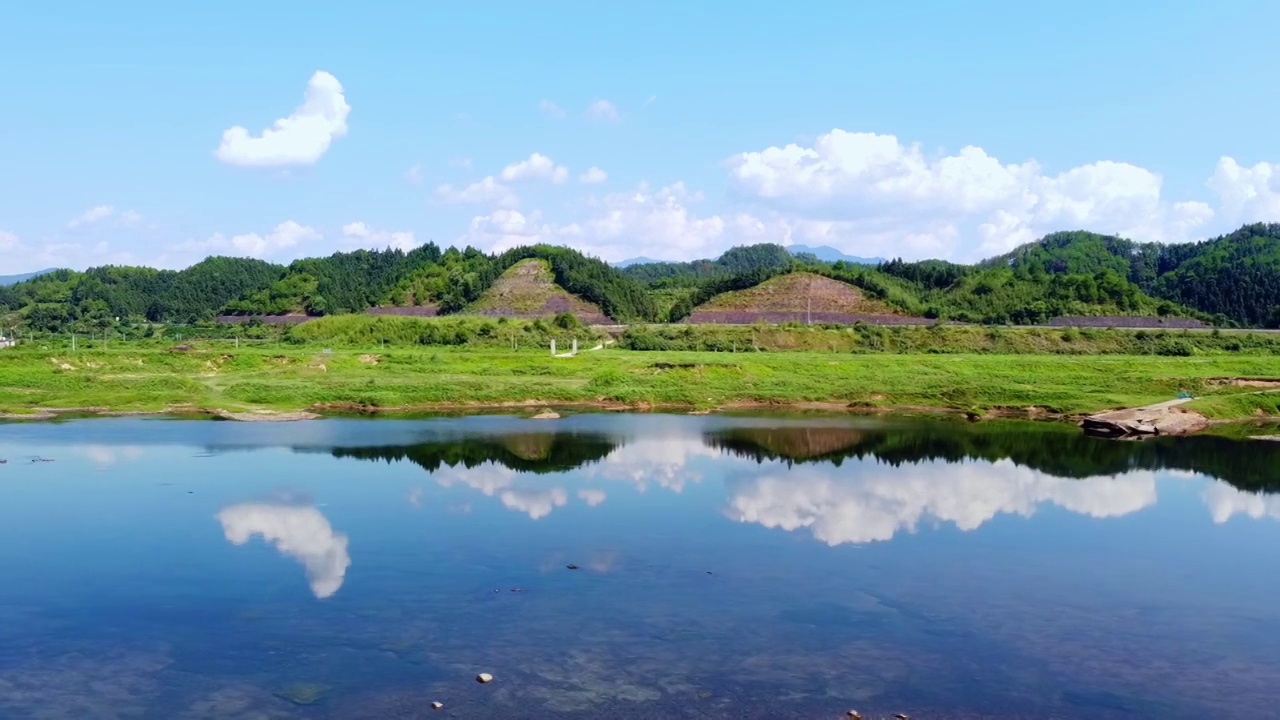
1229,280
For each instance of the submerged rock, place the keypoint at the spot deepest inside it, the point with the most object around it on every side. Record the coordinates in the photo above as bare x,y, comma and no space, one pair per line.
303,693
572,566
484,678
547,415
437,706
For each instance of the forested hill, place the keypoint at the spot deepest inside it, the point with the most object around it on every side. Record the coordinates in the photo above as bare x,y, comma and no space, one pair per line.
340,283
1231,280
738,260
1236,276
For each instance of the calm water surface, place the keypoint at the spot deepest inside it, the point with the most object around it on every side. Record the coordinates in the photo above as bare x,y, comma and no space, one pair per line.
766,568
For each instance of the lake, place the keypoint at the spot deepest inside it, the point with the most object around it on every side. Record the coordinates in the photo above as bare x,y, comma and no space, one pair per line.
646,566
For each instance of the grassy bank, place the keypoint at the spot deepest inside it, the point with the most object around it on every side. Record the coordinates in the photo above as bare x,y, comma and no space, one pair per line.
292,377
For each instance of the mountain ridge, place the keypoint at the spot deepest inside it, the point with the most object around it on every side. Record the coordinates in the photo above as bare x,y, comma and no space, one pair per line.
6,280
1231,280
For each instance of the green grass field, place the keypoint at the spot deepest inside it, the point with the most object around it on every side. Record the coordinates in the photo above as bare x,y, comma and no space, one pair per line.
215,374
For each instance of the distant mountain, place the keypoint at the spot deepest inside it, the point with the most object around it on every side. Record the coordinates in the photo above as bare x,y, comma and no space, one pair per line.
642,260
826,253
15,279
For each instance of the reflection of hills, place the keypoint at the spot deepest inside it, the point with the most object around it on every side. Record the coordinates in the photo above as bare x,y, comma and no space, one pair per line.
798,444
1056,450
541,452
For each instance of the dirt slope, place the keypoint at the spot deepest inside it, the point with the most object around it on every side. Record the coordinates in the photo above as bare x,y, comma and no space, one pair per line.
528,290
798,297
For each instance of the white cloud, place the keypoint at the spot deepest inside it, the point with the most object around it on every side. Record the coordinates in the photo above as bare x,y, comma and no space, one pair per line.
287,236
603,110
366,237
868,503
413,175
92,216
536,167
593,176
592,496
461,162
486,191
649,101
301,532
504,229
875,183
100,214
1247,194
19,256
616,224
299,139
551,109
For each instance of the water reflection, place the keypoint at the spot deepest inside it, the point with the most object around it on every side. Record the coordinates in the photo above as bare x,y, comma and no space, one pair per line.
664,461
300,531
878,502
540,452
1225,501
705,584
1061,451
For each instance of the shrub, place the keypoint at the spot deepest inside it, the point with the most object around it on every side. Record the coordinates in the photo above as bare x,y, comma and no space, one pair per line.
1175,348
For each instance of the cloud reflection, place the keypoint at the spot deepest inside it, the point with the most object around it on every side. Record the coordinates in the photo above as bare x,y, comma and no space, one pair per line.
592,496
106,455
661,461
498,481
537,504
299,531
877,502
1225,502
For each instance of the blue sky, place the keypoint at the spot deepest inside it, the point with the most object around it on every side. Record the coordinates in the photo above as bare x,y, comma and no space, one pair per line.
923,129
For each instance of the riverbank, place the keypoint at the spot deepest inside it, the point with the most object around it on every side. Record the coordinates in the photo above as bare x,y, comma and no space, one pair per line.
215,378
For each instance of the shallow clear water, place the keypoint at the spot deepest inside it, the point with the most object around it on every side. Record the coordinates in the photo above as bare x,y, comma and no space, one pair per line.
745,567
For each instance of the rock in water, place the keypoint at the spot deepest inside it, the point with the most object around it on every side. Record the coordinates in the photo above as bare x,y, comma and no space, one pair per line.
547,415
484,678
437,706
572,566
855,715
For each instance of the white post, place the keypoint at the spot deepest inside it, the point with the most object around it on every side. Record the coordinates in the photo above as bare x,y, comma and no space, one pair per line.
575,346
553,347
73,342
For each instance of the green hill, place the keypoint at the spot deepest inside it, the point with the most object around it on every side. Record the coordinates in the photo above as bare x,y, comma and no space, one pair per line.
1229,280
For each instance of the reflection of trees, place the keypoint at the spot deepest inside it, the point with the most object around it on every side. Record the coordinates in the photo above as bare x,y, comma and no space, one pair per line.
541,452
1058,450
